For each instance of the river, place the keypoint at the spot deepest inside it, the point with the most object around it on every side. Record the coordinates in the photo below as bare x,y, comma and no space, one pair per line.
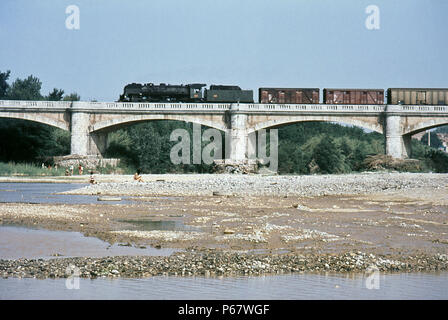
19,242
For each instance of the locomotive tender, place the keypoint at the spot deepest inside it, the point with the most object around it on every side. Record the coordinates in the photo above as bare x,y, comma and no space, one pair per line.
195,92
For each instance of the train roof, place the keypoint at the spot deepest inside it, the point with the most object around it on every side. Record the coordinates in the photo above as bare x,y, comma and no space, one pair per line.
417,89
353,89
288,88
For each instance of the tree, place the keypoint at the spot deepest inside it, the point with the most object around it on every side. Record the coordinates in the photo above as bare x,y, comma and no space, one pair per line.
435,141
328,156
3,84
439,160
72,97
55,95
28,89
443,129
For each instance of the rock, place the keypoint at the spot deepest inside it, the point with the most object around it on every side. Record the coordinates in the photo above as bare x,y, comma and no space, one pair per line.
108,198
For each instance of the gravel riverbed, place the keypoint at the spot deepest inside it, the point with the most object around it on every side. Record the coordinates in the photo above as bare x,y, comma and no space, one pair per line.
251,225
212,263
226,184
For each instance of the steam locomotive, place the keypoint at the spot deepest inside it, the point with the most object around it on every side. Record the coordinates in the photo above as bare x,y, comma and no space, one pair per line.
195,92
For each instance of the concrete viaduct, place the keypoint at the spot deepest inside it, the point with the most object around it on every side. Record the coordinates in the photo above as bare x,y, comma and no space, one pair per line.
90,122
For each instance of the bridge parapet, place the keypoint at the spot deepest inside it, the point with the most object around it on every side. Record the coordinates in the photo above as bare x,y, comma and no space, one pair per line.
144,106
418,108
221,107
34,104
259,107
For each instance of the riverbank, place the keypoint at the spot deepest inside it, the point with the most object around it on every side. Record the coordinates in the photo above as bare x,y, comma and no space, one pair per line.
399,217
264,185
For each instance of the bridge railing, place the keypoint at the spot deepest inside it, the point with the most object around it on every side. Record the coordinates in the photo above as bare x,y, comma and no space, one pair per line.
221,107
419,108
310,107
34,104
143,106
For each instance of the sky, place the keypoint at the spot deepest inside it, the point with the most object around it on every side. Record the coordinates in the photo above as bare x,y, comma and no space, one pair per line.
250,43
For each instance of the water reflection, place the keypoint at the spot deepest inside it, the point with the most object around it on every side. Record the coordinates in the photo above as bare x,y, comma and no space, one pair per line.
20,242
47,193
284,287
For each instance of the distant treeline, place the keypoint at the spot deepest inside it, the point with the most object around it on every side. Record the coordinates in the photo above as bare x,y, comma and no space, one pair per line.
304,148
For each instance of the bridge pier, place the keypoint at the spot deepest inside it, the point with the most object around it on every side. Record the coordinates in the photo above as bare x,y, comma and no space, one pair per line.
397,144
82,141
79,133
237,136
97,143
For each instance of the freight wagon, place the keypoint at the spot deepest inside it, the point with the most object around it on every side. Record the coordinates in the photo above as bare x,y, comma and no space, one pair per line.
354,96
411,96
288,95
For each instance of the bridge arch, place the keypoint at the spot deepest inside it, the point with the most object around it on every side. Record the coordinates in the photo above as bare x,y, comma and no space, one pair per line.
425,125
374,125
64,125
209,121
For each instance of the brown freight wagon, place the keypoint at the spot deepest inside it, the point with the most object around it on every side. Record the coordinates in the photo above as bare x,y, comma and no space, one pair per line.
354,96
411,96
288,95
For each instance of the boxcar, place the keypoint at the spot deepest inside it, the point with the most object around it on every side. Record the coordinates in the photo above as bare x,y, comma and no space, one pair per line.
288,95
354,96
417,96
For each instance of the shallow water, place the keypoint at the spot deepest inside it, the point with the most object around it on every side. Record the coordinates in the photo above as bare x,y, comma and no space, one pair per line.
165,225
46,193
20,242
283,287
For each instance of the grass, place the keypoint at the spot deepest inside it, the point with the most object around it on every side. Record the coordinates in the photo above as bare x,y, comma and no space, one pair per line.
28,169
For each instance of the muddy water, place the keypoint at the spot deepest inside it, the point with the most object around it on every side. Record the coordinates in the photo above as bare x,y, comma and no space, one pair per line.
284,287
150,225
19,242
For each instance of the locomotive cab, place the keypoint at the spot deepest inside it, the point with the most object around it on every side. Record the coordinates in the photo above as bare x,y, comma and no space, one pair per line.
196,92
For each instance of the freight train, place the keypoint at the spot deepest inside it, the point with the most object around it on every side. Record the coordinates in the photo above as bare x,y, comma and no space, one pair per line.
195,92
